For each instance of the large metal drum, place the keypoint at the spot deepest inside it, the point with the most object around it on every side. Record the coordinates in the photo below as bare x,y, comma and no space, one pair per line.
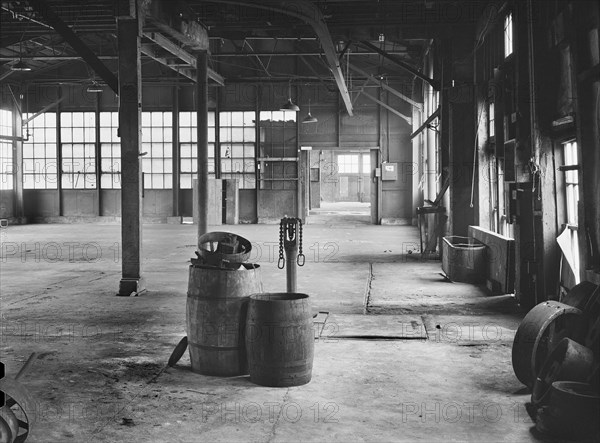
539,332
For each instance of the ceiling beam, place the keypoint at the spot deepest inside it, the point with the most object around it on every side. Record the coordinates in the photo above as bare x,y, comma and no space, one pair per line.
314,71
180,53
389,108
149,50
398,94
76,43
41,111
426,123
7,58
312,15
168,16
170,46
402,64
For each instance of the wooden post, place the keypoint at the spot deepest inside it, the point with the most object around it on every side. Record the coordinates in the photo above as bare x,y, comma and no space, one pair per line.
130,101
17,170
202,116
176,154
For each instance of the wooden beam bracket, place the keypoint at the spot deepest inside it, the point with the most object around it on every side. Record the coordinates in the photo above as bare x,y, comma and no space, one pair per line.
402,64
388,88
426,123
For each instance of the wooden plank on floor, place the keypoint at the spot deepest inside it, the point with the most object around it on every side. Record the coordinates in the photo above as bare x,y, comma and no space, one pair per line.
401,327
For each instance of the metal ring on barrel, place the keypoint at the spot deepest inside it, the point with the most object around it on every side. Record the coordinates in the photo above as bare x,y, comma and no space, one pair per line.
230,250
539,332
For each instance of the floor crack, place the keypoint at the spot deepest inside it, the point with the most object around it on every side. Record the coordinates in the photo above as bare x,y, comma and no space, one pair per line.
284,401
368,289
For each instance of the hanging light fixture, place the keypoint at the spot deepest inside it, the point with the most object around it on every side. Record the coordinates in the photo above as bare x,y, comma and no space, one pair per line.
20,66
309,118
289,105
94,87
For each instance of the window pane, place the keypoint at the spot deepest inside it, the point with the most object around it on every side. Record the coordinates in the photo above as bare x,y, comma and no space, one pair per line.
185,151
185,181
49,119
157,150
185,119
156,119
185,135
186,165
157,165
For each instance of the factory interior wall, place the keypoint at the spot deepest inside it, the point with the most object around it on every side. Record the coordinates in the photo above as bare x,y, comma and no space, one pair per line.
371,127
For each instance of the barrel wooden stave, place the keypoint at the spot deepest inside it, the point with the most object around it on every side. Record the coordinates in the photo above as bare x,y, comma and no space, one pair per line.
280,339
215,316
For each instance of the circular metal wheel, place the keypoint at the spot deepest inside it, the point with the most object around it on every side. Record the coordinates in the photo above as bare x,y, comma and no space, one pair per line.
580,295
8,425
19,411
568,361
223,249
539,332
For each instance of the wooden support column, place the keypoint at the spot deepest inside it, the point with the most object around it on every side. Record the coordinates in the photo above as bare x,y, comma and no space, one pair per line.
176,154
202,116
98,153
59,163
17,170
130,102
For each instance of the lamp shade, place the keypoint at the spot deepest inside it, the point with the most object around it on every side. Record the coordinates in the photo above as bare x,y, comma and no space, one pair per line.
94,87
290,106
20,66
310,119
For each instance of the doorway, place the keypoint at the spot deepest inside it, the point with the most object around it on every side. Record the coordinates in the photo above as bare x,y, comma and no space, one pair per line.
343,186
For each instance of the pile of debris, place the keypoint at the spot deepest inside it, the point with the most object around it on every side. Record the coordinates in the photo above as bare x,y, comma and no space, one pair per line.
556,355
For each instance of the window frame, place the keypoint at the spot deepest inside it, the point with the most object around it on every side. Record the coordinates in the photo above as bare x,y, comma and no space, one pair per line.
78,131
509,35
40,175
157,144
6,151
232,164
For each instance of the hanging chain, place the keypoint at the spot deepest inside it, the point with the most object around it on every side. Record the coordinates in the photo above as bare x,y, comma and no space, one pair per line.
300,259
287,233
281,261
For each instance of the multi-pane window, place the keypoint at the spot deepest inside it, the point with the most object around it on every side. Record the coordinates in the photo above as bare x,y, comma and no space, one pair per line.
571,182
508,35
78,147
157,143
348,164
110,151
40,169
237,139
492,119
572,200
278,150
6,157
188,147
366,164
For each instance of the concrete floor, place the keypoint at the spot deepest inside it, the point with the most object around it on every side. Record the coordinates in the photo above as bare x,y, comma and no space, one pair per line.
405,355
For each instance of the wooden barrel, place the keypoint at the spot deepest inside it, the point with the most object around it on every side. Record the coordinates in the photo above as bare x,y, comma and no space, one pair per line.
280,339
217,301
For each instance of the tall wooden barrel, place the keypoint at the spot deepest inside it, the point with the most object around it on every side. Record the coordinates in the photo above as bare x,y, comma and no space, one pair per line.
217,301
280,339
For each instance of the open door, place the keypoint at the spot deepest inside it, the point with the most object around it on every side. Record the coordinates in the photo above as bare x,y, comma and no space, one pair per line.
374,153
